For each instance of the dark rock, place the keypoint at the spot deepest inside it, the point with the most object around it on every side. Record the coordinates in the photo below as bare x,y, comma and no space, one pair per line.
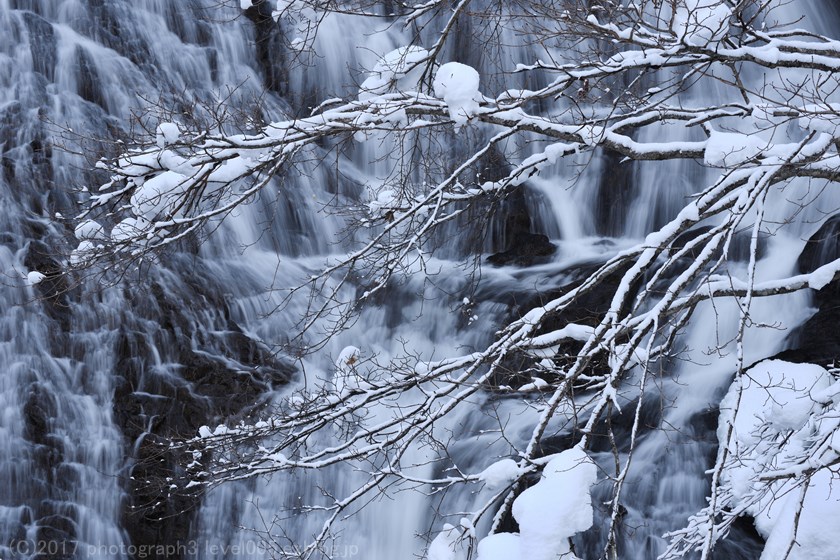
269,46
588,308
822,247
54,288
615,195
42,44
56,528
215,374
525,249
89,81
817,341
38,410
522,246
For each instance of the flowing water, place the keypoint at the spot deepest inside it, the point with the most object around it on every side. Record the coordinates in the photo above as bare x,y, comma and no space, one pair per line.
91,376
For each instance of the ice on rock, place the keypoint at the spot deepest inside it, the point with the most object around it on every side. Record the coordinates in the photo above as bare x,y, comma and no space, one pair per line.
457,84
399,70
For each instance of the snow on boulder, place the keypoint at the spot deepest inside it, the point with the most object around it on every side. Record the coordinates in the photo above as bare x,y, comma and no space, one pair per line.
448,545
821,118
557,507
815,537
399,70
700,22
501,546
773,420
457,84
775,392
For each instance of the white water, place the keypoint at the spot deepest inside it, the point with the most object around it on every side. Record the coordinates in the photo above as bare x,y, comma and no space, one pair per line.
75,472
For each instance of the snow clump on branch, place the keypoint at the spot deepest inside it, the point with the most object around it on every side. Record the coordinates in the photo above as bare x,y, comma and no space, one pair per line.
457,84
700,22
399,70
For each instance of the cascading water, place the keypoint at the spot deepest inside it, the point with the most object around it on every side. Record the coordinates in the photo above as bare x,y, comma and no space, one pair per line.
92,378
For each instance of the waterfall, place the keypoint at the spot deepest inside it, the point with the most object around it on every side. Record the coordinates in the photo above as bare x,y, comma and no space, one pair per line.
96,372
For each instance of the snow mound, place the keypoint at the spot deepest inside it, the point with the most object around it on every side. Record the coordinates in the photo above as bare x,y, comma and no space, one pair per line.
35,277
447,545
457,84
500,474
128,228
399,70
501,546
557,507
773,424
83,254
158,195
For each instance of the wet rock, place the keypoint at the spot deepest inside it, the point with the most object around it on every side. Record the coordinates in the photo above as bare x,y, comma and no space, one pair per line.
54,288
55,529
38,410
523,246
42,44
817,341
89,82
269,46
525,249
211,372
615,195
587,309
